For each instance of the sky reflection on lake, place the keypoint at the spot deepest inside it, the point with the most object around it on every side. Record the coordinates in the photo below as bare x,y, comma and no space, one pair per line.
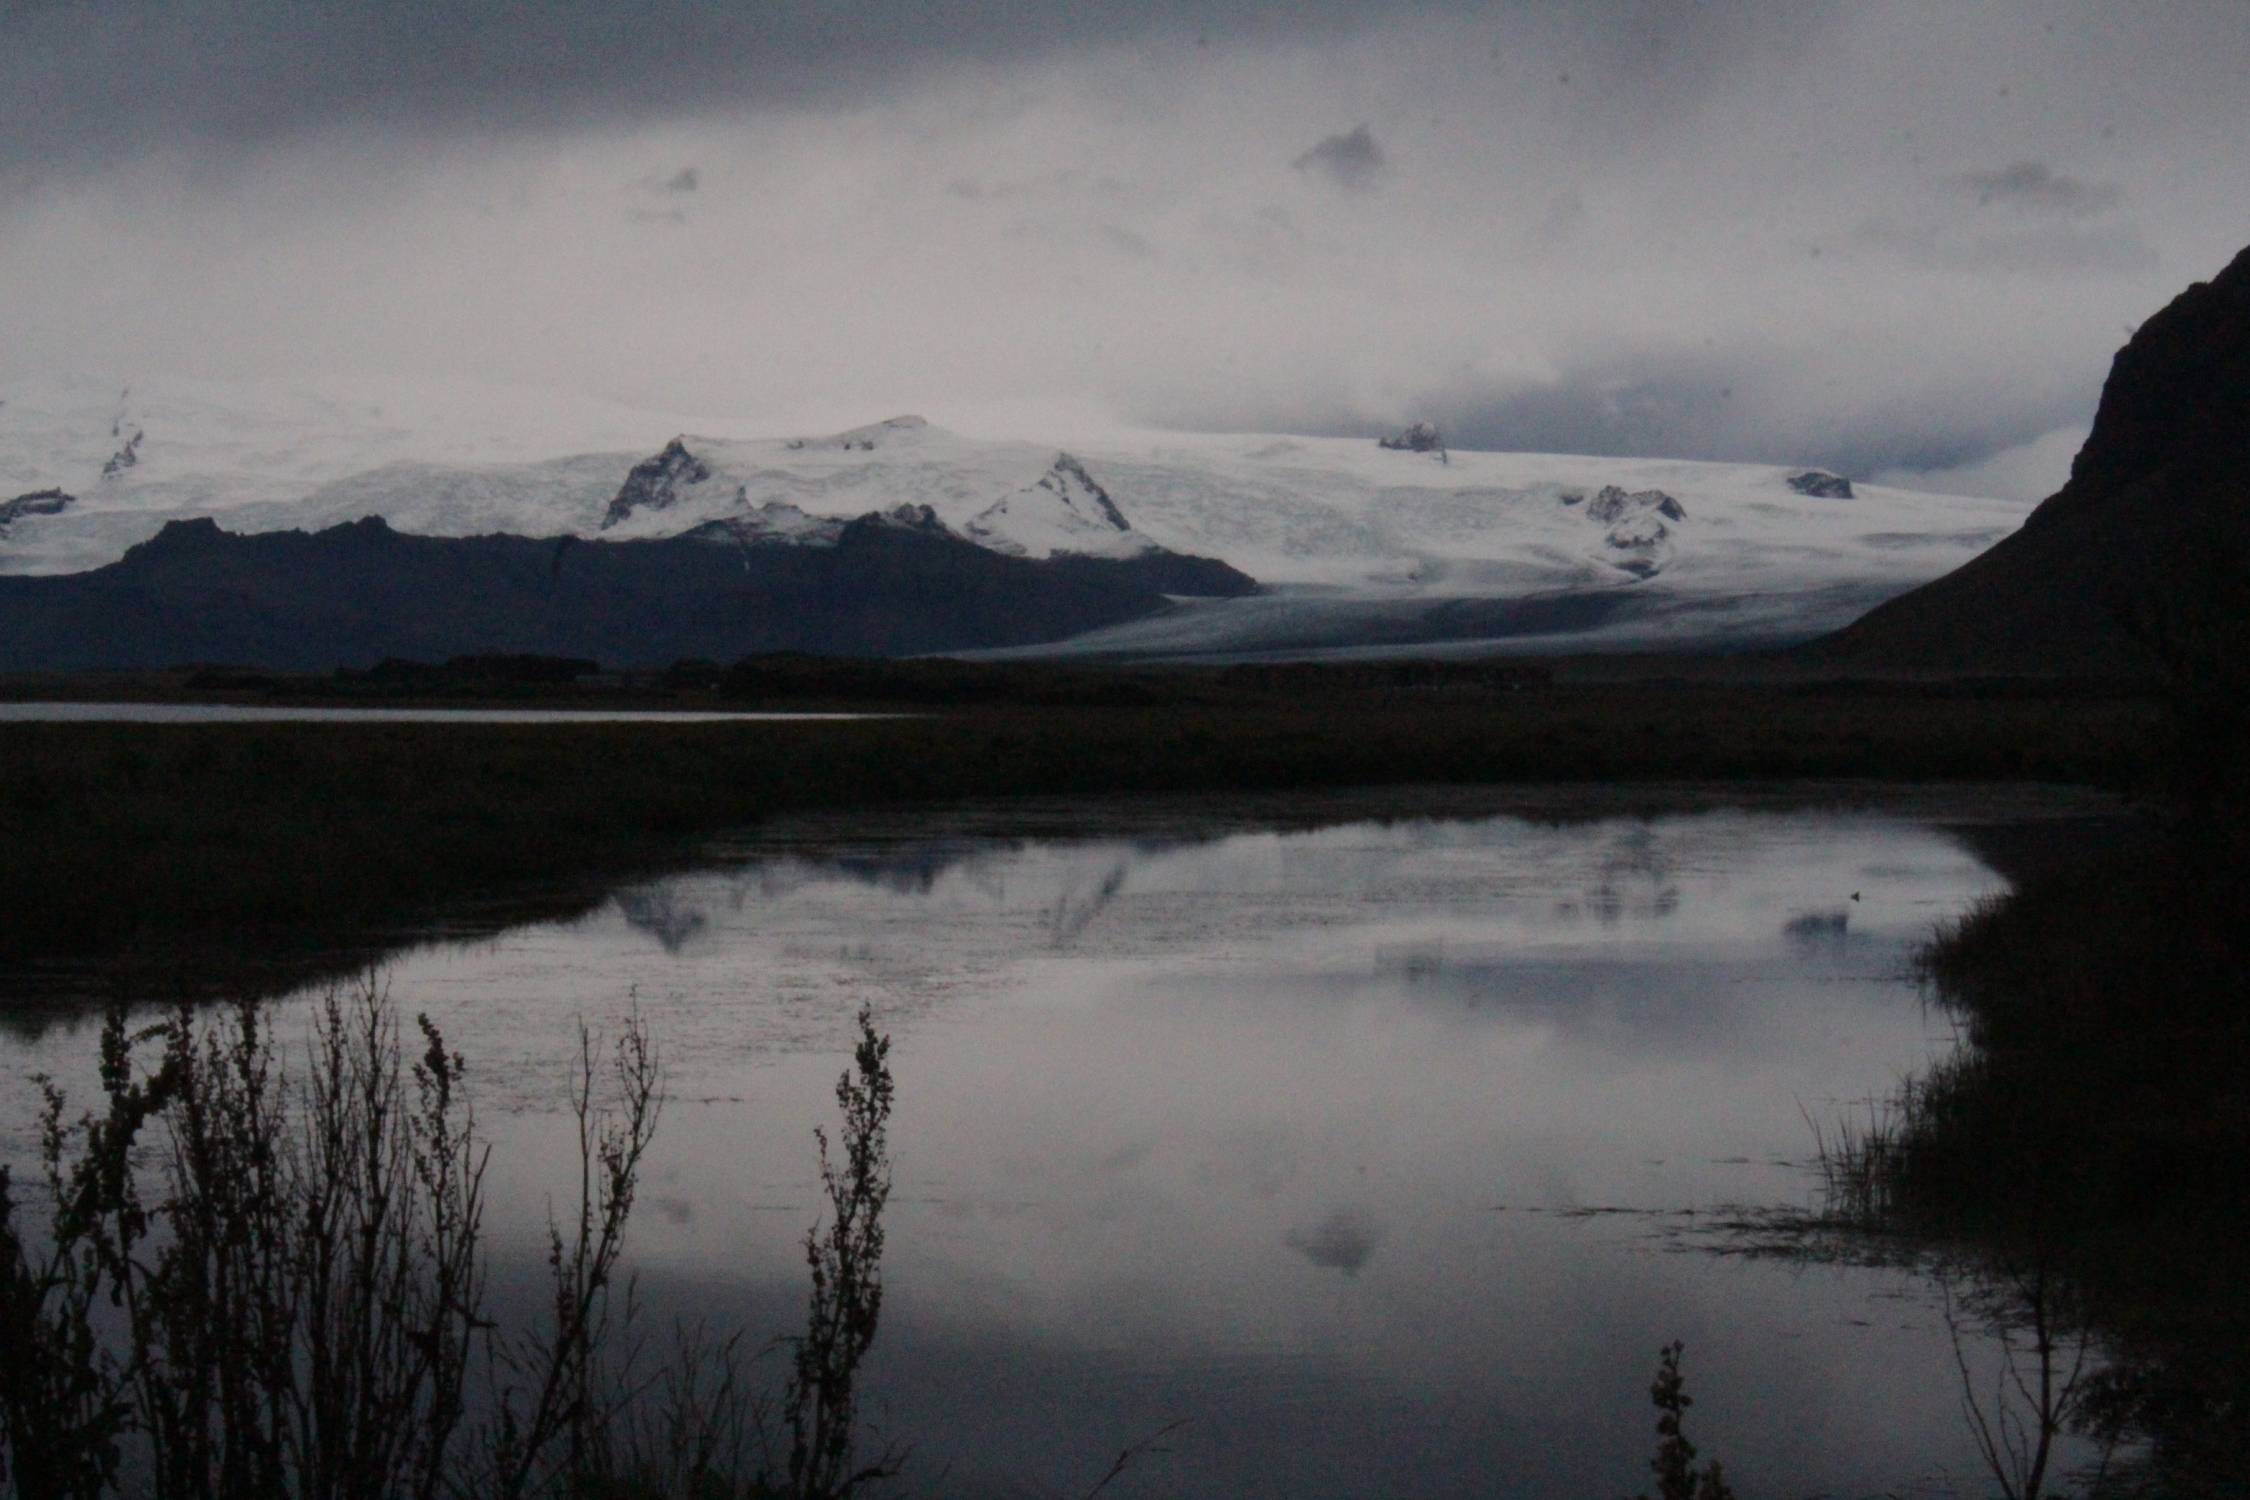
1352,1148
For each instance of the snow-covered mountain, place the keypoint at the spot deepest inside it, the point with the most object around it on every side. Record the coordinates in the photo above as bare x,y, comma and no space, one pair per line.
1361,546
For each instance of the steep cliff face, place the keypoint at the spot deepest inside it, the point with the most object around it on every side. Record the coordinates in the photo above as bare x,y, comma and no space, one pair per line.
2148,542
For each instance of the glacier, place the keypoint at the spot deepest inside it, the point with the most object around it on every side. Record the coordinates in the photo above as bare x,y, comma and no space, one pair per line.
1360,547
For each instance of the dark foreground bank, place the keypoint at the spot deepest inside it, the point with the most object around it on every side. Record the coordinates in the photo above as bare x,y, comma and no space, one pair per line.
2086,1158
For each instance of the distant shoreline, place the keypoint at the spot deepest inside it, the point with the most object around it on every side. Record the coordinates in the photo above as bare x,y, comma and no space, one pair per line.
180,854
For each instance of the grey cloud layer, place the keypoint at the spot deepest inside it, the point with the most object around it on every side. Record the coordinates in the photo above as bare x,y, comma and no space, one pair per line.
92,80
2036,187
89,80
1897,236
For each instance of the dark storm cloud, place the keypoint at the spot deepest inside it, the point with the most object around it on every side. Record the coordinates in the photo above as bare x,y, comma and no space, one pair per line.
1353,161
92,80
2035,187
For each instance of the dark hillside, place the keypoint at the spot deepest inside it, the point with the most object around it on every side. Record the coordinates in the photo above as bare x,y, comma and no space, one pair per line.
2146,544
354,595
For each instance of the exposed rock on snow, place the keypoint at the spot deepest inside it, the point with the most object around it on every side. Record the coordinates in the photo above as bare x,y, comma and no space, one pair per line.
1820,484
906,517
1614,503
1639,538
1422,437
864,439
48,502
655,483
127,455
1065,510
776,523
1069,479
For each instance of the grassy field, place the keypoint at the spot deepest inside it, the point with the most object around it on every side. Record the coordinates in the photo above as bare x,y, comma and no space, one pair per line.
180,848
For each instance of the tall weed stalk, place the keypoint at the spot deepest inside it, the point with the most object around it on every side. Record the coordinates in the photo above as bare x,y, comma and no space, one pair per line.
257,1284
253,1282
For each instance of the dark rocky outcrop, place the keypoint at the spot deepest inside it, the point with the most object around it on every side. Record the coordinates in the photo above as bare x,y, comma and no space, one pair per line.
905,516
893,583
1639,535
35,503
2148,543
1422,437
1612,504
655,483
866,439
775,523
127,455
1820,484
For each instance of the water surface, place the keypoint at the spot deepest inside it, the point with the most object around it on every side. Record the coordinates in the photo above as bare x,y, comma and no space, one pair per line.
1375,1154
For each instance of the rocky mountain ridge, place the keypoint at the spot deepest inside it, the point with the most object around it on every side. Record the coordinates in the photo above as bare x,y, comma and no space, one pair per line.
892,583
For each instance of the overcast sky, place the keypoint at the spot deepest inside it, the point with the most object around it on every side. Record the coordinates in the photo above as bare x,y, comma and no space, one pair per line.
1885,237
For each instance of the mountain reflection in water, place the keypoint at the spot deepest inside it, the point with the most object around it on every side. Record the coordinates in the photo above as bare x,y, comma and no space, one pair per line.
1290,1135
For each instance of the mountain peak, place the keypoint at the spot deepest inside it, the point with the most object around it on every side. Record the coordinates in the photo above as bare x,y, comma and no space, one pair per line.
1065,509
656,483
2181,385
1068,480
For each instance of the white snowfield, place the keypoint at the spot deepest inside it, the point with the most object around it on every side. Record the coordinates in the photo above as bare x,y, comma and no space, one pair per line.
1360,547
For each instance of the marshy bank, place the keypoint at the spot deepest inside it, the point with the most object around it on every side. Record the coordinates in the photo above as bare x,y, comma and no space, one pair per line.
2088,1154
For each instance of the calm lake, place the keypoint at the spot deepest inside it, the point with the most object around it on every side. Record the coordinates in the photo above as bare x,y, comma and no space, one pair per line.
1379,1152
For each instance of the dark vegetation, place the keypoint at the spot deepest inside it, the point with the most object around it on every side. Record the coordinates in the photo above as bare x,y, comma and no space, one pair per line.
355,594
2081,1168
785,681
178,850
1677,1476
241,1277
2089,1149
2084,1162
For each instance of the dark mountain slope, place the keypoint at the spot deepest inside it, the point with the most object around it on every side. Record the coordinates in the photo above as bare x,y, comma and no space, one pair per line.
2148,543
353,595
